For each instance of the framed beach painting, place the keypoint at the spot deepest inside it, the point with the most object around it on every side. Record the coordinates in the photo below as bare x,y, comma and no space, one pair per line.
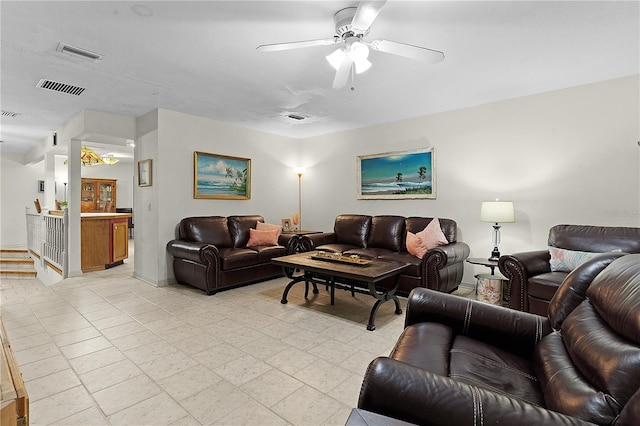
397,175
221,177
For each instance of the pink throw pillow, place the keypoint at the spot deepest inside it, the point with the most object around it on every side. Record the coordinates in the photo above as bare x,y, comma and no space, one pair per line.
432,235
261,226
415,245
263,238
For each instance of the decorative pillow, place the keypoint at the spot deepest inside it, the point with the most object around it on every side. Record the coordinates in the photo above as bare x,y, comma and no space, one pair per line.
415,245
263,238
432,235
261,226
563,260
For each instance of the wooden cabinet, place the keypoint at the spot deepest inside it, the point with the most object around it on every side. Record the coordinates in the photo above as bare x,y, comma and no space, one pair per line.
120,240
104,240
96,193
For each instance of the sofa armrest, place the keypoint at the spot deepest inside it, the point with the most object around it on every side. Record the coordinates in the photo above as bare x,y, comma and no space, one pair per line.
395,389
512,330
448,254
518,268
196,252
451,257
311,241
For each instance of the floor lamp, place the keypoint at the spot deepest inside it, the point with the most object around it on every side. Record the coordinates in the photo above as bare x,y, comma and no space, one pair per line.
497,212
299,171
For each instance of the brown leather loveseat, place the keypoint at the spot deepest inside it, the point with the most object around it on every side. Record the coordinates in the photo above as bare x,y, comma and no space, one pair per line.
532,279
464,362
384,237
211,253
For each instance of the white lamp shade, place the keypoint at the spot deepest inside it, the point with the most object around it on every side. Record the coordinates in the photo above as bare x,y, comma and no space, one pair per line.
497,212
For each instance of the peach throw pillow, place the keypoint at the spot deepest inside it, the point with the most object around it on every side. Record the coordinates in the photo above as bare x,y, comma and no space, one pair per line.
415,245
263,238
430,237
261,226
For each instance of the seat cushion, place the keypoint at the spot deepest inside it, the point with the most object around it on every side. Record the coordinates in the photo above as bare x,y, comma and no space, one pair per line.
233,258
369,253
413,270
266,253
425,345
435,348
544,286
479,364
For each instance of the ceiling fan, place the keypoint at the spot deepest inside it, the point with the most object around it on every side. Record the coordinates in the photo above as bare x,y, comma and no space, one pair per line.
352,25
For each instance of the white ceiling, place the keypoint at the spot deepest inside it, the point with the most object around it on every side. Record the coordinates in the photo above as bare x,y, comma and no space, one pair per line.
200,58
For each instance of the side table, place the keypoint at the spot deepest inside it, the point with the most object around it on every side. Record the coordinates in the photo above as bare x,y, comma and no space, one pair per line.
484,262
485,284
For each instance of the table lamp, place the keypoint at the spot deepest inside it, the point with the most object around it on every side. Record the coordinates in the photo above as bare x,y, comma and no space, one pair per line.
497,212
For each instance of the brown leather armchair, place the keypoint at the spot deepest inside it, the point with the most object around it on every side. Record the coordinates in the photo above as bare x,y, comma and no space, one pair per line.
463,362
531,281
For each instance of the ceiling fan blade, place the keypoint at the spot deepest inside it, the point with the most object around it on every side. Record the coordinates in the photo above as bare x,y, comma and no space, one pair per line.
408,51
296,44
342,75
365,15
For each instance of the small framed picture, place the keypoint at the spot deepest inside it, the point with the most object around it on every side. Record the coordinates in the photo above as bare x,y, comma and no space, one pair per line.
286,225
144,173
40,186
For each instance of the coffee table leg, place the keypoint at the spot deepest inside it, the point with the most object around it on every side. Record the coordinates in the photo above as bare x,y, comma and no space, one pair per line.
372,316
288,287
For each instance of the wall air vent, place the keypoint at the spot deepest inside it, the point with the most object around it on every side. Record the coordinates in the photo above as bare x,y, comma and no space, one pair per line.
60,87
10,114
78,52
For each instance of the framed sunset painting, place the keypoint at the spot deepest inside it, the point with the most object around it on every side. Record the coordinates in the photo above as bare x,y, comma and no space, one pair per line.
397,175
221,177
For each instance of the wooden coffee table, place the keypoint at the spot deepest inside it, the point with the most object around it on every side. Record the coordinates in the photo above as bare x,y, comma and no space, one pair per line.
356,275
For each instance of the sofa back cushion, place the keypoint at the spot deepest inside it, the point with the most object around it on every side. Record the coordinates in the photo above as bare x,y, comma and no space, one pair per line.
239,228
448,226
352,229
386,232
209,229
591,368
595,239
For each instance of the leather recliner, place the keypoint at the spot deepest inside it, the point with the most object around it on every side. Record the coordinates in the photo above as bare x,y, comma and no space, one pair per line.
531,281
464,362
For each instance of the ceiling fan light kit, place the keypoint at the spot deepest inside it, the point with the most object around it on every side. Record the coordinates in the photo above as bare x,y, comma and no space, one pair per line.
351,26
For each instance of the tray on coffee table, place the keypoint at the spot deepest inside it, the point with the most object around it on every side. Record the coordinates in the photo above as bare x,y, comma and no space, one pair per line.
331,257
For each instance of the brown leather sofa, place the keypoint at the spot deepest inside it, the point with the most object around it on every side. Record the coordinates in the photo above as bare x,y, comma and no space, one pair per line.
384,237
531,281
210,253
464,362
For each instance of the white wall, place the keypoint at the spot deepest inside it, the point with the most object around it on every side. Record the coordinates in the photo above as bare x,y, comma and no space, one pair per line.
178,136
18,189
569,156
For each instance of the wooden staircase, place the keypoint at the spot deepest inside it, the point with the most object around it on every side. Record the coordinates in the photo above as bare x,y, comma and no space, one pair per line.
16,264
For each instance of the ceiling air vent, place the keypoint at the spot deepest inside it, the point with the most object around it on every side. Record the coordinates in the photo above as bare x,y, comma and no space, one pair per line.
78,52
10,114
296,117
60,87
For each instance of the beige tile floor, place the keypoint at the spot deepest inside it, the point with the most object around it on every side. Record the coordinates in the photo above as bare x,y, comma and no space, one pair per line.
108,349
